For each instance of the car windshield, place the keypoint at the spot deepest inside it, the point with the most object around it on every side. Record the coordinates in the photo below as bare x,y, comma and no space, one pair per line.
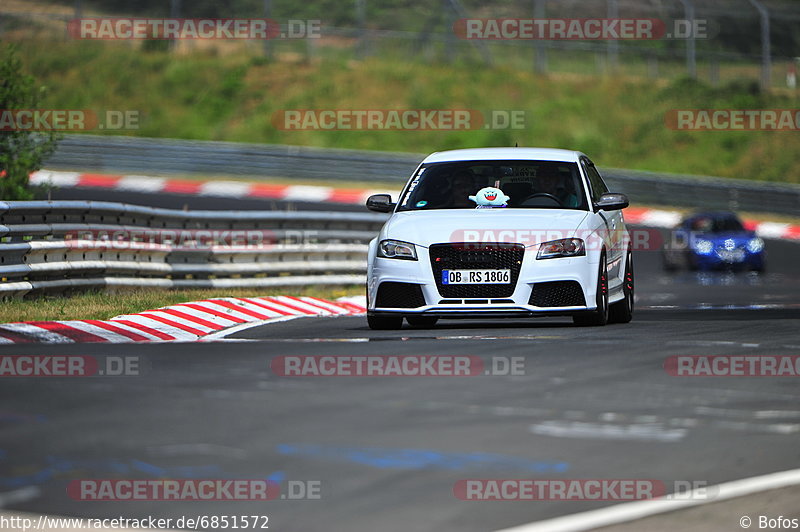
719,224
495,184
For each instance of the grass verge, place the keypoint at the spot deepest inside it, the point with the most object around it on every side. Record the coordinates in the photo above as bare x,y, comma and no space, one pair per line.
101,306
618,121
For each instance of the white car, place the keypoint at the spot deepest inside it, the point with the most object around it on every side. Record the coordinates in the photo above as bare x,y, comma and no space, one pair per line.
501,232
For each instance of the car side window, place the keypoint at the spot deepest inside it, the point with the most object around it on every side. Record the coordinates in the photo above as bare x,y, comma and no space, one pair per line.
596,182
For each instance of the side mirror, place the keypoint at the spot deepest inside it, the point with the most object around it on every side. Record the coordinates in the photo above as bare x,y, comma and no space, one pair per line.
611,202
380,203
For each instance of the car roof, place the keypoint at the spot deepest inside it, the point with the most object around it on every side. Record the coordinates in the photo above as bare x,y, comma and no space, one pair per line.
494,154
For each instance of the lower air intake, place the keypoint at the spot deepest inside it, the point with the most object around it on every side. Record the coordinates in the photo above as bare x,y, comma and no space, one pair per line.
557,294
399,295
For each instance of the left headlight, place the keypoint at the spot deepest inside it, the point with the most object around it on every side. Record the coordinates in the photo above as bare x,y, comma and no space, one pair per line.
703,247
567,247
755,245
397,249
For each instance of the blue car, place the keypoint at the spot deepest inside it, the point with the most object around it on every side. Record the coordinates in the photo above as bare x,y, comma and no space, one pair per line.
713,241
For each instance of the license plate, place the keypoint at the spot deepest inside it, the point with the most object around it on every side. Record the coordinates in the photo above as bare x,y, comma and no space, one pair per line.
476,276
736,255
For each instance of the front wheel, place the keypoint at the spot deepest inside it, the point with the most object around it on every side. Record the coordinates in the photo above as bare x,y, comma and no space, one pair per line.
384,323
622,311
599,316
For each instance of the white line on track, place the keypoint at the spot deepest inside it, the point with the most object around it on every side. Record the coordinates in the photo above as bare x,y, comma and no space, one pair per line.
631,511
17,496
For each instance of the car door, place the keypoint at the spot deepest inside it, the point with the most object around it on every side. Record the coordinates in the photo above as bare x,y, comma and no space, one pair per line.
615,224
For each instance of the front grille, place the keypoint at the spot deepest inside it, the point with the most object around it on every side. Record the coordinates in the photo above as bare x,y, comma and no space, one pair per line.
557,294
399,295
476,256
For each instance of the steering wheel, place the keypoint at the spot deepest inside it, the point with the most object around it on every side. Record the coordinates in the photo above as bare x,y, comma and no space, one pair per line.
544,195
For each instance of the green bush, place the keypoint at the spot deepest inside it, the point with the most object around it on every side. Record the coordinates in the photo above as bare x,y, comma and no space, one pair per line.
21,152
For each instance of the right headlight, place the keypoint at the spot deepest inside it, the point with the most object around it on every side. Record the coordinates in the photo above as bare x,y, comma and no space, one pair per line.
397,249
567,247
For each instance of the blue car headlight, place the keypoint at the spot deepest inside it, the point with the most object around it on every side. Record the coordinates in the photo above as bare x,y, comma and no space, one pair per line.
755,245
703,247
397,249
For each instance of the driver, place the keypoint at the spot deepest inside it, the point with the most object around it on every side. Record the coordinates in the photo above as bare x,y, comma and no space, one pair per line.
550,181
462,186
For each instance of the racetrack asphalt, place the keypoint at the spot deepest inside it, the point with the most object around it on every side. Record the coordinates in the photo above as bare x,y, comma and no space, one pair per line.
591,403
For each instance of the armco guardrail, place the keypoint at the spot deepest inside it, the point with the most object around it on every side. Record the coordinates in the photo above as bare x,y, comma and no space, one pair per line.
159,156
143,155
78,245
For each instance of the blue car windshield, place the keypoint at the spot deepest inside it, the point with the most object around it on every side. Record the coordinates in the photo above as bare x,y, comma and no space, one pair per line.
718,224
495,184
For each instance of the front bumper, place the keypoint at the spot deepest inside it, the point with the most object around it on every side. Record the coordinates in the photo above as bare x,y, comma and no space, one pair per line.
578,269
714,261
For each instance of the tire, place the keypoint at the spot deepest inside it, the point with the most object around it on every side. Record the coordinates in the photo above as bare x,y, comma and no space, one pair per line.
622,311
422,322
384,323
599,316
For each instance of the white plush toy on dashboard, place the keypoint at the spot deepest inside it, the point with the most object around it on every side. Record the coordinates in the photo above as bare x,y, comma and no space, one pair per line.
490,197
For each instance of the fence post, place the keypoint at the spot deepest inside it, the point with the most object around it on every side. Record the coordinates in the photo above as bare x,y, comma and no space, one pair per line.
613,44
78,13
361,21
691,58
766,60
267,15
540,59
174,12
449,38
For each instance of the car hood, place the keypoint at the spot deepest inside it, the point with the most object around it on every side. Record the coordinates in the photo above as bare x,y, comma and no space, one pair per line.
529,226
740,237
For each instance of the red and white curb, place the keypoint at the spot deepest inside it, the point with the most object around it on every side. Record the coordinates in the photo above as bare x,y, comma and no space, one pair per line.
352,196
187,322
219,188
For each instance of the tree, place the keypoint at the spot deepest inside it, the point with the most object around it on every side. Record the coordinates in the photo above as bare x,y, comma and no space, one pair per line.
21,151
